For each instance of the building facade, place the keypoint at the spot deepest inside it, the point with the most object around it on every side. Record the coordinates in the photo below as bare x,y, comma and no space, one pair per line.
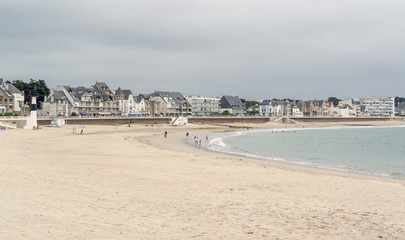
204,106
233,105
376,106
90,102
12,99
171,103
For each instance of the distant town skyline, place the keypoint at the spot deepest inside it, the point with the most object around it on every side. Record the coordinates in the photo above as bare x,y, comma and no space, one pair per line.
254,49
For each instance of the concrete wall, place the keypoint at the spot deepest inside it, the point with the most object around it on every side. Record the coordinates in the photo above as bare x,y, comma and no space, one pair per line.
208,120
319,119
43,122
19,123
116,121
197,120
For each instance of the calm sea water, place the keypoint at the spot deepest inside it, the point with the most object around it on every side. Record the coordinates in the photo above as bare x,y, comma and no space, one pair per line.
378,151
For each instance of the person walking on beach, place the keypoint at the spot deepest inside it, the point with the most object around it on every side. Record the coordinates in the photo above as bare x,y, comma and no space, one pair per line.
165,134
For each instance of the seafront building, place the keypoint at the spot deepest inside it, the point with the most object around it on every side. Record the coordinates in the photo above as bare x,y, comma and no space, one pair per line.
204,106
345,110
313,108
233,105
279,108
269,108
146,106
12,99
126,101
375,106
171,103
97,100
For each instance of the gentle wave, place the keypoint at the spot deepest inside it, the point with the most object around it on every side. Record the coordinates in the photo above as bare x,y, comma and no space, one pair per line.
221,144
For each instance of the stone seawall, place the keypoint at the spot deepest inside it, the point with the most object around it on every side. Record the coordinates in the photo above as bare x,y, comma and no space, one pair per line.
115,121
213,120
43,122
326,119
199,120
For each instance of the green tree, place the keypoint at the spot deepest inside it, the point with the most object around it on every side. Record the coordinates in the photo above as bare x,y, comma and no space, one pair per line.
226,113
334,100
36,88
399,100
74,114
248,103
252,113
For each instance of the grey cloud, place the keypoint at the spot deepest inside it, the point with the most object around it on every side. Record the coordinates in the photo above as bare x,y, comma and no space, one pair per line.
256,49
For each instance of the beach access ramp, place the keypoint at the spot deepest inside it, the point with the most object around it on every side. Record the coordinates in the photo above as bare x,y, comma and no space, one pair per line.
179,120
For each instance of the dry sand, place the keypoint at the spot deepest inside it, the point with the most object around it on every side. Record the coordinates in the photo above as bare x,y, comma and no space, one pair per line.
132,183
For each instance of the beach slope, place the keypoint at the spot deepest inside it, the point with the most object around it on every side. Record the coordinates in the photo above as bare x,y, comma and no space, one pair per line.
131,183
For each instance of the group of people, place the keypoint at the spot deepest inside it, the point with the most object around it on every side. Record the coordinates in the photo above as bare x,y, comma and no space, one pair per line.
197,141
75,131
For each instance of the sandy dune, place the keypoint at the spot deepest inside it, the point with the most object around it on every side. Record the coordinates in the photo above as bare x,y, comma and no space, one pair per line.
132,183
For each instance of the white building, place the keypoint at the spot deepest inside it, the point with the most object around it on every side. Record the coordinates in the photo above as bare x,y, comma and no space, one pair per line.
268,108
376,106
296,112
277,108
126,101
204,106
345,110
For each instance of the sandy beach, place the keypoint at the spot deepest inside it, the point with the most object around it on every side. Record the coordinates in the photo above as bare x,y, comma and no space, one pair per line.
120,182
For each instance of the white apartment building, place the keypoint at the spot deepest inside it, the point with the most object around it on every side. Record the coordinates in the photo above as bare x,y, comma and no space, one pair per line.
204,106
377,106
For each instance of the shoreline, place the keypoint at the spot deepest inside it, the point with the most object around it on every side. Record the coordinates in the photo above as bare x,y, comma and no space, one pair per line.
179,138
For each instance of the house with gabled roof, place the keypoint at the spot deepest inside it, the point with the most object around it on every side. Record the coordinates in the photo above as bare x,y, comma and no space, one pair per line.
57,103
11,99
279,108
345,110
172,103
126,101
148,106
313,108
103,88
83,101
233,105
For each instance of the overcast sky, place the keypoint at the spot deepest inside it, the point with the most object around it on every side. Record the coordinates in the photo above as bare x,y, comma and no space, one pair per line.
256,49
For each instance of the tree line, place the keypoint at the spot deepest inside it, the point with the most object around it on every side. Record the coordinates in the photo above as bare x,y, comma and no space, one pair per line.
32,88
